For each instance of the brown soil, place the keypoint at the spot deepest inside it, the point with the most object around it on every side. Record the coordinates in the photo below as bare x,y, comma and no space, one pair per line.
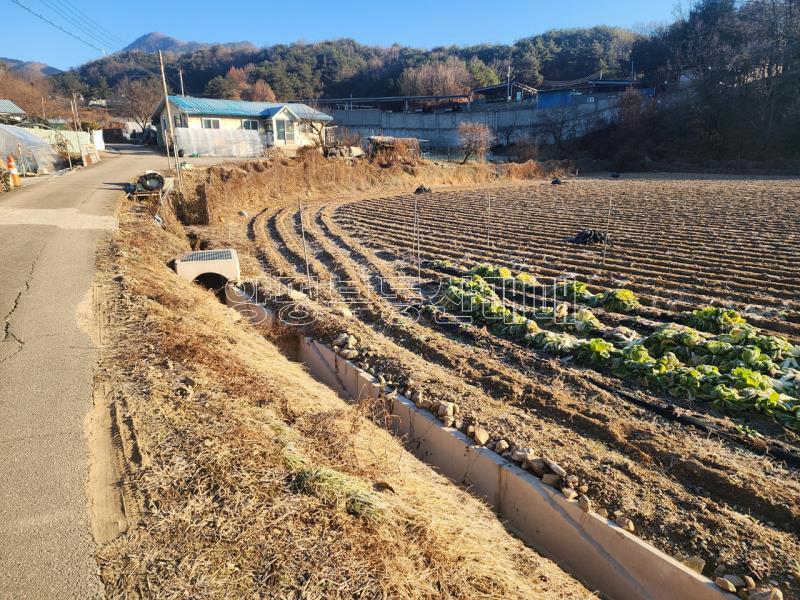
688,493
254,480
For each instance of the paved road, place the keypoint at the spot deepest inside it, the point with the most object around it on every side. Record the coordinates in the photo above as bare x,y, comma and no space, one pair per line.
48,235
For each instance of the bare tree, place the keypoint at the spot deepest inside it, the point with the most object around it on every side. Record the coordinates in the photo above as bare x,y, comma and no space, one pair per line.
318,129
476,138
138,99
630,109
259,91
556,125
436,78
508,130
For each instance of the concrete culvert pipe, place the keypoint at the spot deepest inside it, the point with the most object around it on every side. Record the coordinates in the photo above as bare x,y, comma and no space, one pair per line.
214,282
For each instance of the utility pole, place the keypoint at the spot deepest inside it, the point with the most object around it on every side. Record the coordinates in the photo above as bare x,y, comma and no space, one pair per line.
168,135
44,116
180,74
76,119
508,84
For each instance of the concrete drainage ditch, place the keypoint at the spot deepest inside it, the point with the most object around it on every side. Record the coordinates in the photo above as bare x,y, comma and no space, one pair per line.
596,551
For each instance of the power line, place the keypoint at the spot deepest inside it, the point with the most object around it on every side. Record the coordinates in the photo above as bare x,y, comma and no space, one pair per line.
96,36
117,41
57,26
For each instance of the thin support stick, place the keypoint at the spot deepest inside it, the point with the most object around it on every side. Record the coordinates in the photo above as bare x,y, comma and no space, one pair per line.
488,219
305,249
608,231
416,228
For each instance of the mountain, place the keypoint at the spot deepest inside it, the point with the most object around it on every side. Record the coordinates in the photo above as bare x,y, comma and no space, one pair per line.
29,70
155,41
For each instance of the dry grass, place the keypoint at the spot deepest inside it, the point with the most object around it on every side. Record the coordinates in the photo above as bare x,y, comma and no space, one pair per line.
257,481
219,193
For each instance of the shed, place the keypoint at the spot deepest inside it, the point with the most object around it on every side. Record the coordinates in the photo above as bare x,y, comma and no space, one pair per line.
10,112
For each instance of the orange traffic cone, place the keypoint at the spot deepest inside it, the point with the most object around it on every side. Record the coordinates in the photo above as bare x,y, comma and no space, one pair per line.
12,170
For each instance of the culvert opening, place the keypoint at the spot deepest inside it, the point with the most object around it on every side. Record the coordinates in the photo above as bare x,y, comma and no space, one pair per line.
214,282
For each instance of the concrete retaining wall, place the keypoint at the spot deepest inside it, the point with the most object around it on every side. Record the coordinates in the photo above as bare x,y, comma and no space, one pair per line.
440,129
596,551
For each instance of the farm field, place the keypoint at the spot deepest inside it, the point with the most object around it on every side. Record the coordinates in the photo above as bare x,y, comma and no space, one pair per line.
697,480
679,243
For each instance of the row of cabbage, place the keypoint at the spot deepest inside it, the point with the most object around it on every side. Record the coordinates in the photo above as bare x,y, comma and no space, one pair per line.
737,345
619,300
730,363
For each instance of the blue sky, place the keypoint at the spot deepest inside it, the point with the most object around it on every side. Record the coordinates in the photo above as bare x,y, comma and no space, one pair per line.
420,23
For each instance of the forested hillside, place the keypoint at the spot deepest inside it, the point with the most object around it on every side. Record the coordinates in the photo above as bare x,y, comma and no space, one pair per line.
743,59
738,62
345,67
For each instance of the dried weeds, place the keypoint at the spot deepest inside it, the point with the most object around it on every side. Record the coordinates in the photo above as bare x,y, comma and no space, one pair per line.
255,480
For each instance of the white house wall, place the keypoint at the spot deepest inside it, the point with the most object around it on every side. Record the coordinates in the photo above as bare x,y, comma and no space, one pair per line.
228,124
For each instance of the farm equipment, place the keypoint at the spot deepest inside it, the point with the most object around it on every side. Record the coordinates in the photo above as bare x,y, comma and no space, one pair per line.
151,184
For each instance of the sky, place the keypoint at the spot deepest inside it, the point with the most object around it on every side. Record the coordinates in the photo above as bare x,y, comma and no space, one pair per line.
418,23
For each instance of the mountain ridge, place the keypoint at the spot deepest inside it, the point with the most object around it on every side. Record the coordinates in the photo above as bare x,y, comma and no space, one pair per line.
155,41
28,69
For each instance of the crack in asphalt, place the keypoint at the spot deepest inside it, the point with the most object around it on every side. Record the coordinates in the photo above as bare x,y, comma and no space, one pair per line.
7,333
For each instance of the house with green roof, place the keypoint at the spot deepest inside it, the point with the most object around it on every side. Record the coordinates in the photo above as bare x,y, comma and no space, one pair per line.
214,127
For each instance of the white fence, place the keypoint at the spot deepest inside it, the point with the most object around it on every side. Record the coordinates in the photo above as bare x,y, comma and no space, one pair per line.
75,139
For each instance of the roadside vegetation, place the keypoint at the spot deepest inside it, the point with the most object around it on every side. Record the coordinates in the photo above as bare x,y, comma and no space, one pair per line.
253,480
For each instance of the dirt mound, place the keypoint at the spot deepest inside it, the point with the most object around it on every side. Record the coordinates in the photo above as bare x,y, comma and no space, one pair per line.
219,193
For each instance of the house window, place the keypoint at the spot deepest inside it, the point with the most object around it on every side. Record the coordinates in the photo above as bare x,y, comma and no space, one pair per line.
180,120
210,123
250,124
285,131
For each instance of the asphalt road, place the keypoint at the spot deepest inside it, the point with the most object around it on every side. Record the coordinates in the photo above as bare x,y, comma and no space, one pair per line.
48,236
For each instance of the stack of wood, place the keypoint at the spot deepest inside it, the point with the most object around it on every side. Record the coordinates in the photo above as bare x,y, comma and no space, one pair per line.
390,150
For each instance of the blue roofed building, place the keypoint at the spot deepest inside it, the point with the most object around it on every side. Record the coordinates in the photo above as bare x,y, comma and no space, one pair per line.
214,127
10,112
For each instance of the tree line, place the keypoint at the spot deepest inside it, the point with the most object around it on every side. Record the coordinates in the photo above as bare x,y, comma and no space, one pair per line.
341,68
727,73
742,59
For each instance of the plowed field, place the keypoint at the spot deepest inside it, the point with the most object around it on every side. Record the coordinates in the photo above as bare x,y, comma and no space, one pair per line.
678,242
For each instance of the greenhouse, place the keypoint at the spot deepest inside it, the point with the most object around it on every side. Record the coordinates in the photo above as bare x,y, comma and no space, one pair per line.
31,153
